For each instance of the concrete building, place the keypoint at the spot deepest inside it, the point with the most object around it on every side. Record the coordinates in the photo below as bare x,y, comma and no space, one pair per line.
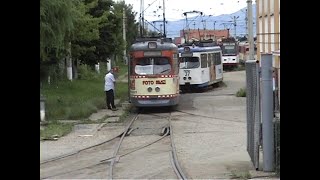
201,34
268,34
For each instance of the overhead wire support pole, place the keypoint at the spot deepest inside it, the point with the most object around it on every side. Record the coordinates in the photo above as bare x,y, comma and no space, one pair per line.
142,21
164,20
250,30
235,25
187,24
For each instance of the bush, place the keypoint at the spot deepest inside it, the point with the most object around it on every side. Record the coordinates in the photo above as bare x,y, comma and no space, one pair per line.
86,72
241,93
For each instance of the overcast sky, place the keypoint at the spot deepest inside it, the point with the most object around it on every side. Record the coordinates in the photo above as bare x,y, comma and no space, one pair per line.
175,8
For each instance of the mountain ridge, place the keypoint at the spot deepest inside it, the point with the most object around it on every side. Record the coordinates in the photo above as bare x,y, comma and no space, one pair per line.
222,21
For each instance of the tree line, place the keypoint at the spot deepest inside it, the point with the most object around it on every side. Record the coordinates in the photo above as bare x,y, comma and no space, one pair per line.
74,32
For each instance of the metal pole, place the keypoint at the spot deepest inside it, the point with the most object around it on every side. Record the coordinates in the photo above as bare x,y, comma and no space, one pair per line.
246,19
129,82
235,27
164,20
188,29
140,18
204,29
250,30
267,112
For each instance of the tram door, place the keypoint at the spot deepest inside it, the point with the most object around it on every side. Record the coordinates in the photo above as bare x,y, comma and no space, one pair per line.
212,67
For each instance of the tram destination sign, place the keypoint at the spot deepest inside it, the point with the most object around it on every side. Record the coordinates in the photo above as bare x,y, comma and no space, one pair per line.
152,53
186,54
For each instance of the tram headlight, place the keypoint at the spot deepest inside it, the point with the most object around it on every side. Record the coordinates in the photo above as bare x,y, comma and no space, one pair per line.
149,89
184,78
189,78
157,89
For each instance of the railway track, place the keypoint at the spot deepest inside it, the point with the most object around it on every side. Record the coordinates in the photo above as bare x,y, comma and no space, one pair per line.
142,124
165,131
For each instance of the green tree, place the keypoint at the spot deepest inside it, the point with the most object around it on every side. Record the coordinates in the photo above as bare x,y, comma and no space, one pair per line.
56,23
132,26
86,28
109,26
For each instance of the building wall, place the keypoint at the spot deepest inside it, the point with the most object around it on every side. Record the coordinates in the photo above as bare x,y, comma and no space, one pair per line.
268,34
204,34
268,26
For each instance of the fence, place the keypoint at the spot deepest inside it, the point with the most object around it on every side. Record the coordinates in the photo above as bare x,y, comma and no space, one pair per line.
277,120
277,144
253,111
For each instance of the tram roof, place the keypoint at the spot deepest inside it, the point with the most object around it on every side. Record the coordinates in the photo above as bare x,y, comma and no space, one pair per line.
200,49
162,44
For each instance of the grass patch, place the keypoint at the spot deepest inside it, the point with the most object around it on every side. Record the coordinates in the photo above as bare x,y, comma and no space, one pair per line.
126,113
121,91
240,67
124,116
78,99
241,92
222,84
55,129
74,100
240,175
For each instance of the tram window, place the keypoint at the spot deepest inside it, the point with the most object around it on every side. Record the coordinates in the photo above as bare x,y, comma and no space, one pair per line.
161,61
218,58
204,60
154,65
144,61
214,61
229,49
189,62
210,59
161,66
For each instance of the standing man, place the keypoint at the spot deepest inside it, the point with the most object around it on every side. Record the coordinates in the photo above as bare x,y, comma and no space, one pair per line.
109,83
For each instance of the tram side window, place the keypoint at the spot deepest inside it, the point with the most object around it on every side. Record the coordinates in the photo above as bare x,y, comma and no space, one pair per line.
204,60
214,57
209,59
218,58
